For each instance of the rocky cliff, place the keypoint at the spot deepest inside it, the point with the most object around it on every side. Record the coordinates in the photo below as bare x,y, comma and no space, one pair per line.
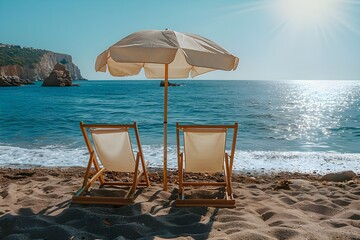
33,64
9,81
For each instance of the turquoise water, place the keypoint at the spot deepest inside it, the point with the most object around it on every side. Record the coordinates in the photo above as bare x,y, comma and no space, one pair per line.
284,125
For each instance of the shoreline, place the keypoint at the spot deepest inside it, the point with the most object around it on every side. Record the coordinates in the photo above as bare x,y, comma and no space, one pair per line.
245,161
36,203
247,172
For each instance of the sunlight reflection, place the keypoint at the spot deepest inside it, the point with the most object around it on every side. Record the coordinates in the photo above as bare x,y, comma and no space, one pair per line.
319,107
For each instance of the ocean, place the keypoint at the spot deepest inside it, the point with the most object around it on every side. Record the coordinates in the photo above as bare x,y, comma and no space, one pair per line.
296,126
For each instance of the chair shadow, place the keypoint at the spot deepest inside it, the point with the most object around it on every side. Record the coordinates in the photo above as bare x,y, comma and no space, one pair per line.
156,217
194,222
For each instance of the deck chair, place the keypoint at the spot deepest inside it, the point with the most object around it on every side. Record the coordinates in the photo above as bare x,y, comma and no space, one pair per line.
204,152
110,145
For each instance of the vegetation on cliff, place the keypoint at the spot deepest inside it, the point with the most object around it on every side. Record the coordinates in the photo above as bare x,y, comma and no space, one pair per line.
33,64
22,56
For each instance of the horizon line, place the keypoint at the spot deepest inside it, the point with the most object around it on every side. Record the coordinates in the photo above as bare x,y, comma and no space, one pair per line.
192,79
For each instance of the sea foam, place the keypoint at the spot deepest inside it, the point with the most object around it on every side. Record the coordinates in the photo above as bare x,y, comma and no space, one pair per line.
245,161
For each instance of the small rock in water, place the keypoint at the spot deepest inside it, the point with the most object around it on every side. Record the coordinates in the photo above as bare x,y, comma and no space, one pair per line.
339,177
59,77
162,84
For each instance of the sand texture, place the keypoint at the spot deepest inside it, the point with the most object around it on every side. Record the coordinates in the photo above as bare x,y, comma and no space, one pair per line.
36,204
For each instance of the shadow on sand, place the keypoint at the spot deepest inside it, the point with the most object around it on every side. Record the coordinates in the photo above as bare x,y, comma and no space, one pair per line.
154,217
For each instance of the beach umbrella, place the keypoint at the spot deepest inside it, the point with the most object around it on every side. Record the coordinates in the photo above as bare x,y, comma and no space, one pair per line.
167,55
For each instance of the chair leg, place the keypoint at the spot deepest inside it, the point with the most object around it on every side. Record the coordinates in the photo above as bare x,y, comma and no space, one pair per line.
87,172
98,168
146,176
84,189
135,184
228,177
136,177
181,177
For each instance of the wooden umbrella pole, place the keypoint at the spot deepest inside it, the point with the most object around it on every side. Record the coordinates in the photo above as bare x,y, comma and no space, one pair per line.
165,123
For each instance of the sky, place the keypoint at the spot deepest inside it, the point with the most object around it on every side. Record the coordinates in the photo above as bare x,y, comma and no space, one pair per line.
274,39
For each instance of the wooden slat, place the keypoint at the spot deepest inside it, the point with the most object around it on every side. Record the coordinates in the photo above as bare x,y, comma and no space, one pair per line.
204,126
143,164
136,177
205,130
102,200
108,130
227,176
88,168
98,169
181,176
233,146
108,125
93,179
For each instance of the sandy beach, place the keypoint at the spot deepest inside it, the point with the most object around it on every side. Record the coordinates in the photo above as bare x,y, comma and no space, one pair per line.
36,204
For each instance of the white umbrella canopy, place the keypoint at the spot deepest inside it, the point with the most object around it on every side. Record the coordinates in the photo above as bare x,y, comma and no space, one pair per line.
164,54
185,53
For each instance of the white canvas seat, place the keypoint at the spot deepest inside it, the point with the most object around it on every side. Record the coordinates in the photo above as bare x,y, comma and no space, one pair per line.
114,149
111,150
205,152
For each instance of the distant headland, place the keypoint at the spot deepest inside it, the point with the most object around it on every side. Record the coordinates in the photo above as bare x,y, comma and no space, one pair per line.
24,65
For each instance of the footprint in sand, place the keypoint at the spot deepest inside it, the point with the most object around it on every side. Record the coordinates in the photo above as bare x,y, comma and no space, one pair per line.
48,189
42,179
28,191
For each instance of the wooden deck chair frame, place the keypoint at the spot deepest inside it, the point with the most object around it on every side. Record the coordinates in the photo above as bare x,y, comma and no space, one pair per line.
229,201
81,198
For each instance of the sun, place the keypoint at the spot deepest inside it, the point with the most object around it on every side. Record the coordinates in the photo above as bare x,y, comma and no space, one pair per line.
307,12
